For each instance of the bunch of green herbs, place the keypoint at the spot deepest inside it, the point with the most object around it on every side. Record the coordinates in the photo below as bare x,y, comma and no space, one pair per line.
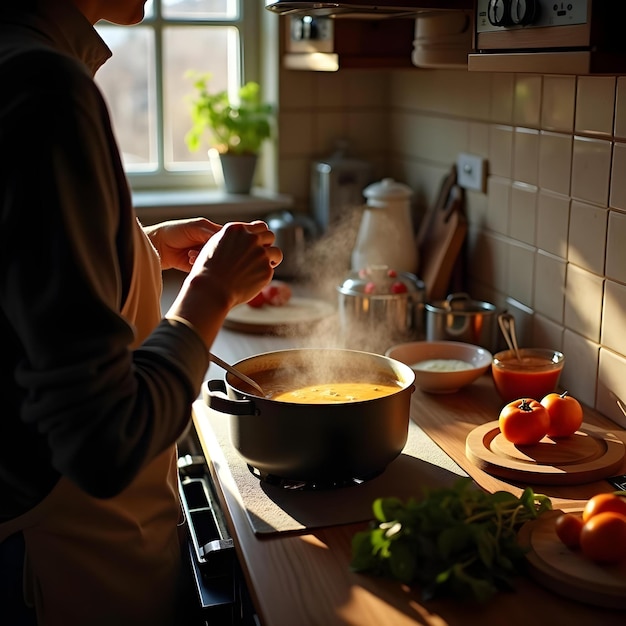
457,541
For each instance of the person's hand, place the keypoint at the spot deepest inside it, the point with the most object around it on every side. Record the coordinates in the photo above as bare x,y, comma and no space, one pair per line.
179,241
242,257
230,269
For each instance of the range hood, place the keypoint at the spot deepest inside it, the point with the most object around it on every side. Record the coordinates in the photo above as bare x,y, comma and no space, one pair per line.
365,9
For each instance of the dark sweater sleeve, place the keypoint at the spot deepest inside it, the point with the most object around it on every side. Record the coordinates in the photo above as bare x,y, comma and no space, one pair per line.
103,409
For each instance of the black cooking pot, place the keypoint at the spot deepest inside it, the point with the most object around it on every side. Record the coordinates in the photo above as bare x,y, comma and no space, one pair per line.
316,442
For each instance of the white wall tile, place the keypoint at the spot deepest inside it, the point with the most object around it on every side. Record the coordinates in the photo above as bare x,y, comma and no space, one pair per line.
555,161
552,223
524,321
587,236
546,333
502,96
549,286
611,377
614,317
296,134
527,100
331,90
620,108
595,105
478,142
501,150
521,273
558,103
523,213
591,167
329,128
583,302
493,262
498,204
297,89
368,132
580,370
616,247
526,155
366,88
618,173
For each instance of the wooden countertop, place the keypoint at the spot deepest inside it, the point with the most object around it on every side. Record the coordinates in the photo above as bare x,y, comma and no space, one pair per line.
305,579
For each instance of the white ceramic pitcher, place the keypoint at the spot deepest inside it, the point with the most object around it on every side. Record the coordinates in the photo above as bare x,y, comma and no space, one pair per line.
386,234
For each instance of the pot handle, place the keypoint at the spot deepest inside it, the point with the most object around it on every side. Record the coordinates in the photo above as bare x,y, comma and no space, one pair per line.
215,396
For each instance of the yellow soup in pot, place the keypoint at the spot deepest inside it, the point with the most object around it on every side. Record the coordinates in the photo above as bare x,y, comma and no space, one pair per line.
330,393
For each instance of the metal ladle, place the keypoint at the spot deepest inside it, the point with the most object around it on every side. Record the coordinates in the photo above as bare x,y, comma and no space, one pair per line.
235,372
507,325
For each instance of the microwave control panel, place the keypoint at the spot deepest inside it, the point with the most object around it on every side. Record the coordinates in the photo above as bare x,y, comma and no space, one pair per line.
498,15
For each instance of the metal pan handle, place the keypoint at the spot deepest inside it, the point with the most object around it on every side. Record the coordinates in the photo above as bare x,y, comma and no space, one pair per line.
215,396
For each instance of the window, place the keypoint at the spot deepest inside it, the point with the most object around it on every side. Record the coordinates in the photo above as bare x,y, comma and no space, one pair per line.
146,86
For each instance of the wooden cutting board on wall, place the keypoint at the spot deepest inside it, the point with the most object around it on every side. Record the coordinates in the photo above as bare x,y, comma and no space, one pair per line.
441,239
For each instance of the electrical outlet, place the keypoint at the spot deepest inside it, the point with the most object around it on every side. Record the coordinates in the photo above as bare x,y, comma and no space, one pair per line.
471,172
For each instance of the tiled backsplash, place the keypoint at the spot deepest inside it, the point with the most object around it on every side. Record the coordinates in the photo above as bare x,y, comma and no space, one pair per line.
547,240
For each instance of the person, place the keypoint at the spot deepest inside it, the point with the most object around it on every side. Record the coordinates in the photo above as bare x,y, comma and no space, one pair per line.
97,384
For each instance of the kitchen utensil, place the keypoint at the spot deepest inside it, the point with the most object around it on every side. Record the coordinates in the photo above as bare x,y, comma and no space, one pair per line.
567,572
459,318
235,372
507,325
293,232
527,373
385,235
441,238
323,442
373,316
590,454
442,366
299,314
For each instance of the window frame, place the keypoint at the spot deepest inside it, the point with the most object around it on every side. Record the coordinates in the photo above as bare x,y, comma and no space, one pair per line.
246,21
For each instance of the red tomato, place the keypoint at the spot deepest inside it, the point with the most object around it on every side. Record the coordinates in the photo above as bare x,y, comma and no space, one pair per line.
566,414
568,527
398,287
258,301
524,421
277,293
603,538
604,502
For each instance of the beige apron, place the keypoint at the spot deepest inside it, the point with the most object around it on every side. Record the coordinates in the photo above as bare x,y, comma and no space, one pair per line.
113,562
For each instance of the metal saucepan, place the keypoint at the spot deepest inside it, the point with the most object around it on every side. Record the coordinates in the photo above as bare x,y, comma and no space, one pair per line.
322,442
459,318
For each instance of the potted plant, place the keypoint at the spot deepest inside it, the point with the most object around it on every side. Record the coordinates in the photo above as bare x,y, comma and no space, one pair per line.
236,128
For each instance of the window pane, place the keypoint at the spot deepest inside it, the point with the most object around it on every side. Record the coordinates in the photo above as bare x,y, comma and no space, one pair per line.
212,49
200,9
128,83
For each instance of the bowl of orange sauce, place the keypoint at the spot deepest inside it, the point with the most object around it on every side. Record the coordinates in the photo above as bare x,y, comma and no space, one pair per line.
535,374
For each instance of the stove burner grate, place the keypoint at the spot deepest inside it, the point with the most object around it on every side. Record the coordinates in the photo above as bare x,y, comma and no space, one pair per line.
309,485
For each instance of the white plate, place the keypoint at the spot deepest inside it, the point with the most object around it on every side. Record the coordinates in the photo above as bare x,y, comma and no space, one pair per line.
268,319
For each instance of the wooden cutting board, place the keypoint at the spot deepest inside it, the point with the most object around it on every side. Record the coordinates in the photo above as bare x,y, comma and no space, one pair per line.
568,572
588,455
297,314
441,241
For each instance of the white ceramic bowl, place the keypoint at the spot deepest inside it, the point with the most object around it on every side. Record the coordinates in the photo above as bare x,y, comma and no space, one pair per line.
432,362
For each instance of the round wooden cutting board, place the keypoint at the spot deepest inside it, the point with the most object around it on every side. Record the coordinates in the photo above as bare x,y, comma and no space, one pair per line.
268,319
588,455
568,572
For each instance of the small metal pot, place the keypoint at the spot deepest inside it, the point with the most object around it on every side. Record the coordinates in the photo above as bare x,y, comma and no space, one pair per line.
319,442
374,319
459,318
